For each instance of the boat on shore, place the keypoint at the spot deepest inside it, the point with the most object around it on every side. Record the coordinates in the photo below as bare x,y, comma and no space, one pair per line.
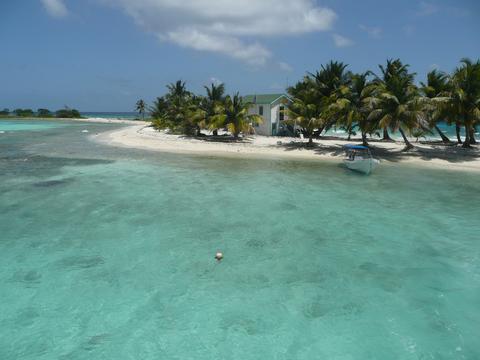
359,158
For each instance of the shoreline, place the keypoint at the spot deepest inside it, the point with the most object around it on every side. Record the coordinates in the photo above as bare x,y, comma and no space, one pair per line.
146,138
138,134
86,120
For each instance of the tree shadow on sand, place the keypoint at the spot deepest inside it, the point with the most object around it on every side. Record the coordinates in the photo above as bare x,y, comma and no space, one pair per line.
220,139
452,153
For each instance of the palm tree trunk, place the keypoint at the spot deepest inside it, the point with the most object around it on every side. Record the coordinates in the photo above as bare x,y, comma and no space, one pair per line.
445,139
386,136
364,139
457,131
215,132
472,136
408,145
466,143
319,133
310,139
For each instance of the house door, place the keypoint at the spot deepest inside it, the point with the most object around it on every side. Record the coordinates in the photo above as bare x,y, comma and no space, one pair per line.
274,129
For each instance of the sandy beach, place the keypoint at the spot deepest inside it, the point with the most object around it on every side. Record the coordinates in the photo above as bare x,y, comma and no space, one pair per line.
110,121
141,136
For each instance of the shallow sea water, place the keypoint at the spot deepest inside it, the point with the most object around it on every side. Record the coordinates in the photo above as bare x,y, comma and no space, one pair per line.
108,254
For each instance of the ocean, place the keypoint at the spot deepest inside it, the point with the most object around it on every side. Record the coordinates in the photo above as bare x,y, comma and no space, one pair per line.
112,115
108,253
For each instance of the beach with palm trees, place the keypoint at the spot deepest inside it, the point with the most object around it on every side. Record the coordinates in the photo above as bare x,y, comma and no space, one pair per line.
397,117
425,153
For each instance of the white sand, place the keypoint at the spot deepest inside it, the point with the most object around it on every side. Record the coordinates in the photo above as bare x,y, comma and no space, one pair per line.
111,121
144,137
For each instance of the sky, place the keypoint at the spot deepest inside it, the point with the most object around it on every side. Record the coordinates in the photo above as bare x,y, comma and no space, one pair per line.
104,55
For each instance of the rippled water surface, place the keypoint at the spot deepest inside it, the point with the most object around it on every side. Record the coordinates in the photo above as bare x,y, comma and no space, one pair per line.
108,254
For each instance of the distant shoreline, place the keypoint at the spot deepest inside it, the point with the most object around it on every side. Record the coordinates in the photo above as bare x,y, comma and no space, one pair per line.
87,120
140,136
432,154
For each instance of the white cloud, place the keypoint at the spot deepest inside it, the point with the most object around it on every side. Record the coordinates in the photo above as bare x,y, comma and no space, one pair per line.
284,66
253,54
55,8
373,31
229,27
341,41
426,9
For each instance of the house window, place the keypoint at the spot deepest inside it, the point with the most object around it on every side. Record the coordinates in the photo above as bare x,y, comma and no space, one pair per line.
281,115
260,110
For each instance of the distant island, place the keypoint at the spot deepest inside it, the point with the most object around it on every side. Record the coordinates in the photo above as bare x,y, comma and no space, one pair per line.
65,113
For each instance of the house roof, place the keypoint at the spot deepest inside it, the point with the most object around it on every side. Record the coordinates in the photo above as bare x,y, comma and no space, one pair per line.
263,98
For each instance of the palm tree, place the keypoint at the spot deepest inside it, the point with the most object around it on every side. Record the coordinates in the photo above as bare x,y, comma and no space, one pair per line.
330,79
234,115
351,108
305,111
464,98
210,104
435,89
396,102
140,107
178,110
392,69
159,107
177,91
329,83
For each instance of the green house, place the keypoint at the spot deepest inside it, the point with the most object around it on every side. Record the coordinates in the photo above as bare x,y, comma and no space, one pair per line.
271,107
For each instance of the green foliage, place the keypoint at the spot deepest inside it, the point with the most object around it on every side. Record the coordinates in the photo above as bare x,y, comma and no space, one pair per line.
233,114
160,123
23,112
182,112
334,96
158,108
140,106
68,113
307,109
212,104
178,110
44,113
396,103
463,98
314,95
351,108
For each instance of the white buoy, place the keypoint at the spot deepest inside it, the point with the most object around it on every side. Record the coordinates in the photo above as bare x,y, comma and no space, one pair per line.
218,256
84,131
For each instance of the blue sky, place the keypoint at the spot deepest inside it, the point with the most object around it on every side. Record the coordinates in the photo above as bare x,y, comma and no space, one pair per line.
103,55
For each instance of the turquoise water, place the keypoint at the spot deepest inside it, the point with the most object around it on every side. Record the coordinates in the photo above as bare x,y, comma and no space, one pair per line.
113,115
27,124
108,254
448,130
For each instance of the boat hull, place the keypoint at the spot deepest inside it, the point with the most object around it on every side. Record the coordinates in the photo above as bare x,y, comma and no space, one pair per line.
365,166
